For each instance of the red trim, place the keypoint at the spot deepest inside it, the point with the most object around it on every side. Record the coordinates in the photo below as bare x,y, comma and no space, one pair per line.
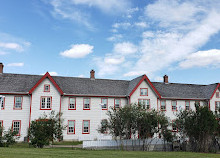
172,105
143,88
165,105
46,103
149,103
106,104
15,93
89,103
1,122
83,127
3,104
69,104
215,91
185,104
74,127
47,75
119,103
217,95
19,133
48,88
152,86
21,103
215,104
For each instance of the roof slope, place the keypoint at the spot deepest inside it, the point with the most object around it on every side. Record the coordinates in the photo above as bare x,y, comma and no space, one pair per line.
177,90
11,83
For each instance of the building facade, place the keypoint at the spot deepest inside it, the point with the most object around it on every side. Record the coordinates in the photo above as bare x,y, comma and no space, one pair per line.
85,101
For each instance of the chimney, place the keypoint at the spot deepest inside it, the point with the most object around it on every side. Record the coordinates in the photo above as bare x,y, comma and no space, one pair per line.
92,74
1,68
165,79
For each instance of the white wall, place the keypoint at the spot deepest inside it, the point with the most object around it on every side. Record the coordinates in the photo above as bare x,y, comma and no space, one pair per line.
9,114
213,100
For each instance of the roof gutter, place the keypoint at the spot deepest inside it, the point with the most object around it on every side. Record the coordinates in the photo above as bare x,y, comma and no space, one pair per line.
17,93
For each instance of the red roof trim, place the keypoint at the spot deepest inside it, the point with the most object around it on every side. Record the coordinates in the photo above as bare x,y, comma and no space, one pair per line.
47,75
152,86
215,90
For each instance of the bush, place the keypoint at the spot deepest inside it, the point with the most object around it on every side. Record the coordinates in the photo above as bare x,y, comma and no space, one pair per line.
7,138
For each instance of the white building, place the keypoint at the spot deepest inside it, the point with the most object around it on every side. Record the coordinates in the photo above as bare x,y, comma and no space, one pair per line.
24,98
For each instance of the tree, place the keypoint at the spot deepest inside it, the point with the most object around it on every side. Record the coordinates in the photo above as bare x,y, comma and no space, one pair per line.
199,126
46,129
7,138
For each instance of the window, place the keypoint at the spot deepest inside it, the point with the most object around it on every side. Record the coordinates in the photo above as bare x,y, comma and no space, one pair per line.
217,95
46,103
18,103
104,103
117,103
72,103
174,105
163,105
1,126
143,92
217,105
2,102
145,103
71,127
46,88
187,105
16,126
197,103
104,122
174,126
86,105
86,126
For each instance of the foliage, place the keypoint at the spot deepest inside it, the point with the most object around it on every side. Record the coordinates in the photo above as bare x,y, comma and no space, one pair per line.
46,129
200,126
7,138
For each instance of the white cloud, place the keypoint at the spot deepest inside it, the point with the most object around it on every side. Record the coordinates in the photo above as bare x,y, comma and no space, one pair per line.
141,24
114,61
78,51
201,59
125,48
15,64
131,11
53,73
12,46
123,25
81,76
3,52
115,37
148,34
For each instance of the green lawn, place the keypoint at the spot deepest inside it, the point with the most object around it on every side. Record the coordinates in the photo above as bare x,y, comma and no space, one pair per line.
80,153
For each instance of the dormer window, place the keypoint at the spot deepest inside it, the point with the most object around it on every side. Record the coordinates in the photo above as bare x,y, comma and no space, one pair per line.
46,88
143,92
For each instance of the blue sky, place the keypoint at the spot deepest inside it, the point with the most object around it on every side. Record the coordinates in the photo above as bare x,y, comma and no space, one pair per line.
118,39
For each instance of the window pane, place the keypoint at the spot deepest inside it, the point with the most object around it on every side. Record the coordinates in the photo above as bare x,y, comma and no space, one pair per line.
2,102
16,126
86,123
17,102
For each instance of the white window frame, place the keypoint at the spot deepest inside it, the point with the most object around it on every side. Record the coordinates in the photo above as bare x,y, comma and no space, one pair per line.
104,105
86,130
72,104
174,106
145,103
47,103
18,104
86,106
2,102
71,129
117,106
163,109
17,126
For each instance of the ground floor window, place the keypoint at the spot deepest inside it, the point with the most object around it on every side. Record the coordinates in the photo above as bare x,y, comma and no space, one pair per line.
71,127
174,126
86,126
16,126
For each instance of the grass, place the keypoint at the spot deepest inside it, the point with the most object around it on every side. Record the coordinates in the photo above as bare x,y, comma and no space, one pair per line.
80,153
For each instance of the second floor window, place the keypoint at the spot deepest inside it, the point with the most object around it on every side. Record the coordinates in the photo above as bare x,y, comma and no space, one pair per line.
18,103
72,103
104,103
217,105
86,105
46,88
187,105
145,103
143,92
163,105
174,105
2,102
117,103
46,103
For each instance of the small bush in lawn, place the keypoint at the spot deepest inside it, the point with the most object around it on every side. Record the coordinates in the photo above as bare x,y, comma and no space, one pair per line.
7,138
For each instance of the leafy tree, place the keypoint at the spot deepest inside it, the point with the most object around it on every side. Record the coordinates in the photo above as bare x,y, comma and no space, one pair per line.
200,126
45,129
7,138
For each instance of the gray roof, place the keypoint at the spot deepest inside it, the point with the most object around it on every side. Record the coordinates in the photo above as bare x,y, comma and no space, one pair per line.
11,83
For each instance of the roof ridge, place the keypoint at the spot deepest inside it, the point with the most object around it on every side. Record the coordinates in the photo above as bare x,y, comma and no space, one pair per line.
186,83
